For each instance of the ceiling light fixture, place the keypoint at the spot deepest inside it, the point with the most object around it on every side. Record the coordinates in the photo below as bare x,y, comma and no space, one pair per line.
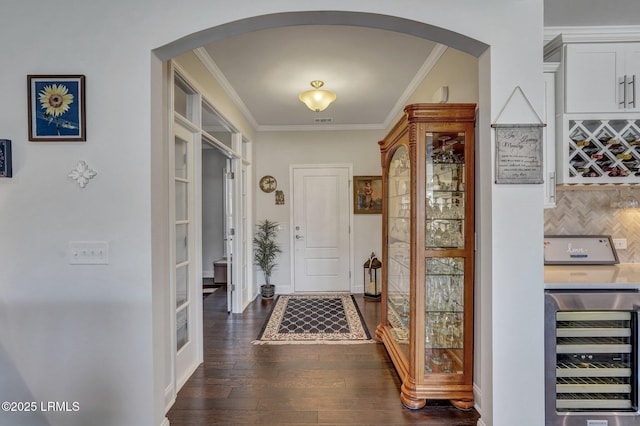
317,100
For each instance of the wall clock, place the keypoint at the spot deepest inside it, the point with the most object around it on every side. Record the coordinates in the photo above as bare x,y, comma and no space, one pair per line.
268,184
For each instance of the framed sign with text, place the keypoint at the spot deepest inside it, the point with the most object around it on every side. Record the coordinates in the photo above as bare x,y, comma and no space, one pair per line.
519,153
579,249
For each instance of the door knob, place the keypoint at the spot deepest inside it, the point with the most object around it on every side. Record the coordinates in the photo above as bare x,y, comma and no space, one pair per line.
299,237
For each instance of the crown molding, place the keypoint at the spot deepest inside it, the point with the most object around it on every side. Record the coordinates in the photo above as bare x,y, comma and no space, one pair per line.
551,66
319,127
556,37
211,66
424,70
603,34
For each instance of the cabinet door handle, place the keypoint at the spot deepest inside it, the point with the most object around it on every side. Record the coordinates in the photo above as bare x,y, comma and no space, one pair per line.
632,103
623,83
552,187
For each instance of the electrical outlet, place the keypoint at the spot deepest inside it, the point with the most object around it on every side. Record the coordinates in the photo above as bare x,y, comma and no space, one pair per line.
620,243
88,253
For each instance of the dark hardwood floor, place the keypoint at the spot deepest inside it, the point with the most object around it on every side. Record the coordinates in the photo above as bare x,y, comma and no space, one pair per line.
240,383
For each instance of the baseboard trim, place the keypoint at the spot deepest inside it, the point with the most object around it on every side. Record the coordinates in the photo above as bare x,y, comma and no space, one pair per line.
477,396
169,398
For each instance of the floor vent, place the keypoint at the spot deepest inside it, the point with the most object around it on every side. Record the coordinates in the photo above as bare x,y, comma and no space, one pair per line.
323,120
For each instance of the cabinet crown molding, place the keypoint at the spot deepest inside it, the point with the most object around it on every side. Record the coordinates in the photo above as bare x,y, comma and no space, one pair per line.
556,37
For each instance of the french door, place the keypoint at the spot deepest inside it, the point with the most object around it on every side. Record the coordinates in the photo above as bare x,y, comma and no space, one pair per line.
185,268
229,229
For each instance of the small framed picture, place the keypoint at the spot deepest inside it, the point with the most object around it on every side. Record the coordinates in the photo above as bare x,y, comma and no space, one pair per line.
56,108
367,194
5,158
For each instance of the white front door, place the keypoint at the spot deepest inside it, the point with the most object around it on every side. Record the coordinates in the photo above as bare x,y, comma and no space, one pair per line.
321,224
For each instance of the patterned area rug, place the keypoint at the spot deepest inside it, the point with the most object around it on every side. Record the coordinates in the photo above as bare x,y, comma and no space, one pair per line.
313,319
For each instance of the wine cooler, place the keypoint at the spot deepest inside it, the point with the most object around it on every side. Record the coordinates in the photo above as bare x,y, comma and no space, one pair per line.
591,358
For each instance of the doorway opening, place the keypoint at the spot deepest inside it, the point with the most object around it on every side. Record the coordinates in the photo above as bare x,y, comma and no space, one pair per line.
252,24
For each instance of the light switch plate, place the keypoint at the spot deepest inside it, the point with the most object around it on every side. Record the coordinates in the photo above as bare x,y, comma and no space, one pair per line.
88,253
620,243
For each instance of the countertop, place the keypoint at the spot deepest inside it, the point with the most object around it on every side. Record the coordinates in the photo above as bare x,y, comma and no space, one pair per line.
623,275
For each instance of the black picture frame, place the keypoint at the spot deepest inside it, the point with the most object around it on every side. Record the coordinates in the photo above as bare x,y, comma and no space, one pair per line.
6,169
56,108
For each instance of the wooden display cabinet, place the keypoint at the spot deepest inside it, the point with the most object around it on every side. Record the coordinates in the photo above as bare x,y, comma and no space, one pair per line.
428,252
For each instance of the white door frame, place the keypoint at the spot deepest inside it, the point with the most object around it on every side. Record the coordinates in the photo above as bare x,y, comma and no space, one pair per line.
292,225
235,298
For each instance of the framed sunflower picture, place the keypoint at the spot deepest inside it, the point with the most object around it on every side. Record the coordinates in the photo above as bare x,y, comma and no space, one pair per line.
56,108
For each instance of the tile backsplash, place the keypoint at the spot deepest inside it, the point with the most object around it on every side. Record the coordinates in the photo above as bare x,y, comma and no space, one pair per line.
589,212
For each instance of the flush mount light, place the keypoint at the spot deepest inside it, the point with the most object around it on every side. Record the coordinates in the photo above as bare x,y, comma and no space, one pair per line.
317,100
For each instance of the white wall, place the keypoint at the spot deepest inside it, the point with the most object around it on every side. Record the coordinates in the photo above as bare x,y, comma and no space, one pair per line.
275,152
94,334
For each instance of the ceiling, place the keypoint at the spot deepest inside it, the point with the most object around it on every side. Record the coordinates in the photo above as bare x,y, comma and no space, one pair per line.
371,71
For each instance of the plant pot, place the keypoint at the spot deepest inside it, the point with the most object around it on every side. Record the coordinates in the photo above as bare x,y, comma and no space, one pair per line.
267,291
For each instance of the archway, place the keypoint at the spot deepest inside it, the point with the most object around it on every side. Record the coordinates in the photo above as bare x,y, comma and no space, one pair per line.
385,22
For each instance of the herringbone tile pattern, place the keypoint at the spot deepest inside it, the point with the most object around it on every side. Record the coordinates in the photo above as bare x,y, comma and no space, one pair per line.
588,212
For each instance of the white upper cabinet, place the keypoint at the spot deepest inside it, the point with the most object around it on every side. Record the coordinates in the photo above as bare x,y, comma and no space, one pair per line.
601,77
633,68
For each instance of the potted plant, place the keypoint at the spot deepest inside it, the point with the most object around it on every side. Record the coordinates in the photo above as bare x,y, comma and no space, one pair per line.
266,250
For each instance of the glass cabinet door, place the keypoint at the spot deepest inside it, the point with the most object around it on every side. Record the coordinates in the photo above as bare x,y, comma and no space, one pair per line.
444,316
445,190
398,227
445,247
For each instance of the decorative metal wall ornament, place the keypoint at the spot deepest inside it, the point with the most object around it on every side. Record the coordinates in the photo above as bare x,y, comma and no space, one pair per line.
82,174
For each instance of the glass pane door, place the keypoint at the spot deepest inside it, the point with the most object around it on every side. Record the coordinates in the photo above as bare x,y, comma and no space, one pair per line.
444,319
445,190
398,247
183,254
445,244
229,230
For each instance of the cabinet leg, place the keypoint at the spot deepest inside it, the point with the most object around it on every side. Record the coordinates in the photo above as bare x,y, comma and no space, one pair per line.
412,403
462,404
